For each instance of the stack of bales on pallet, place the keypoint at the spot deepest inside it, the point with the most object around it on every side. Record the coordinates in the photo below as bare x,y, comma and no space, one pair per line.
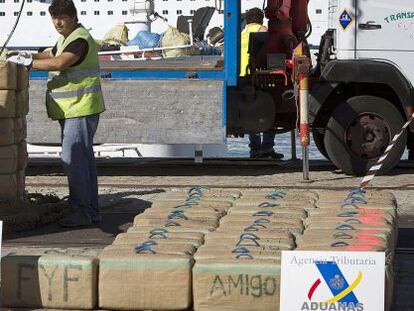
14,106
50,278
364,221
238,268
210,249
150,266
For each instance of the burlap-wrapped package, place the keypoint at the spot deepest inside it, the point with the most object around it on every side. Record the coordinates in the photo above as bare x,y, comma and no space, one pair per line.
165,234
327,237
245,227
143,221
20,130
282,193
152,247
270,204
236,285
218,205
22,103
383,197
232,242
50,280
8,76
7,132
224,252
8,159
389,214
130,238
232,233
374,220
275,211
22,156
260,221
172,228
9,186
7,103
22,75
177,213
182,195
145,282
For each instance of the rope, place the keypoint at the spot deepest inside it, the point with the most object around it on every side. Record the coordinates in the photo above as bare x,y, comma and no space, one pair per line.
377,167
14,28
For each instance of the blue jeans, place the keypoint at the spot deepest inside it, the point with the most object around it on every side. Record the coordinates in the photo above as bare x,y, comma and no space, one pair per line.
79,163
256,143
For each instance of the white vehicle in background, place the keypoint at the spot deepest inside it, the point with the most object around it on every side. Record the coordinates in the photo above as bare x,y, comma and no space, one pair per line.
364,91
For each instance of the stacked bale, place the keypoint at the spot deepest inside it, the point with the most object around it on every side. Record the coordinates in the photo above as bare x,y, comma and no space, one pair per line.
150,266
50,278
238,267
14,106
364,221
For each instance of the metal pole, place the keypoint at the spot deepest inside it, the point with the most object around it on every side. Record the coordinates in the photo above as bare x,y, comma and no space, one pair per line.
293,144
305,156
304,122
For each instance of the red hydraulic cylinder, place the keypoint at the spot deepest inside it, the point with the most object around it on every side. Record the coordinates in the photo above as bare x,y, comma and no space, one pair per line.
300,18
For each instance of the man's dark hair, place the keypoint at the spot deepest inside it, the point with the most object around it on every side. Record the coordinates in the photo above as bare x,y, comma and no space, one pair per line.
254,15
63,7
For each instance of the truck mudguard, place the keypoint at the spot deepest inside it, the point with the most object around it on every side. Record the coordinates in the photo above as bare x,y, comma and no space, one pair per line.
360,71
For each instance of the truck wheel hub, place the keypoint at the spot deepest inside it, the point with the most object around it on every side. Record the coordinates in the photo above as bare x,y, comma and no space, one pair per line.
368,136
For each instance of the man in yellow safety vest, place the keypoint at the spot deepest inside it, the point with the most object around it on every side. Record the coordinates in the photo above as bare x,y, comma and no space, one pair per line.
258,148
74,98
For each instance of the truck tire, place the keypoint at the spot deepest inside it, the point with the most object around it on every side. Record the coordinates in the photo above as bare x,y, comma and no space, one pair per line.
318,138
359,131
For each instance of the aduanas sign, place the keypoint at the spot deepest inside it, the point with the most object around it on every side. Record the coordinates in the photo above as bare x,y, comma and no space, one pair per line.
332,281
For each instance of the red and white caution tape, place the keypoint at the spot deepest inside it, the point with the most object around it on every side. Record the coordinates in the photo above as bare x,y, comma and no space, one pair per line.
377,167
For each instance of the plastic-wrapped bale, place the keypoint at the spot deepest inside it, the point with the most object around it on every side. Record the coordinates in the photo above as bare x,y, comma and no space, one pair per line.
172,228
268,242
50,279
369,195
8,76
236,285
223,251
152,247
375,220
142,221
220,194
390,215
216,205
8,159
275,211
189,212
274,228
281,194
129,281
11,186
261,221
22,103
7,103
131,238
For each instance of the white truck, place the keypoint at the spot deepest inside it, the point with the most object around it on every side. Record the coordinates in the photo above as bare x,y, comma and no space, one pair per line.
363,93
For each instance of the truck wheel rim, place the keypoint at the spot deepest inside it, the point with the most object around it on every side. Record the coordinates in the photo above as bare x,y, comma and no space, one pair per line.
367,136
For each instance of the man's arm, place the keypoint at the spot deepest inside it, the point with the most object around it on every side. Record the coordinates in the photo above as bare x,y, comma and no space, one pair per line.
59,63
47,54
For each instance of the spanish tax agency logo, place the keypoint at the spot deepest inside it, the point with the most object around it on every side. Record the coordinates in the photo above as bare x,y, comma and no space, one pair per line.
343,296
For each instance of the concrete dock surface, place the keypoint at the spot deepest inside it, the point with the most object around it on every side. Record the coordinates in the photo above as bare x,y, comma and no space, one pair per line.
127,187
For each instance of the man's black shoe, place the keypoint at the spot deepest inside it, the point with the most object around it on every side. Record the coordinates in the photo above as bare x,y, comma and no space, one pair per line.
411,155
77,219
273,155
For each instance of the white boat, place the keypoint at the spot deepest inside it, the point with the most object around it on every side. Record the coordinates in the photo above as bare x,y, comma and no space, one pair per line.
35,28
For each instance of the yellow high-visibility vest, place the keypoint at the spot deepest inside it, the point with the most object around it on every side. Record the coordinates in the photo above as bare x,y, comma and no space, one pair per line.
76,91
244,54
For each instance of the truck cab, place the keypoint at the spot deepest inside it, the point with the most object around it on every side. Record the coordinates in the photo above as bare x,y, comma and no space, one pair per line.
362,93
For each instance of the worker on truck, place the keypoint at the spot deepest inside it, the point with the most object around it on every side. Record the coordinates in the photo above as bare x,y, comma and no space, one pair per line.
74,98
258,148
